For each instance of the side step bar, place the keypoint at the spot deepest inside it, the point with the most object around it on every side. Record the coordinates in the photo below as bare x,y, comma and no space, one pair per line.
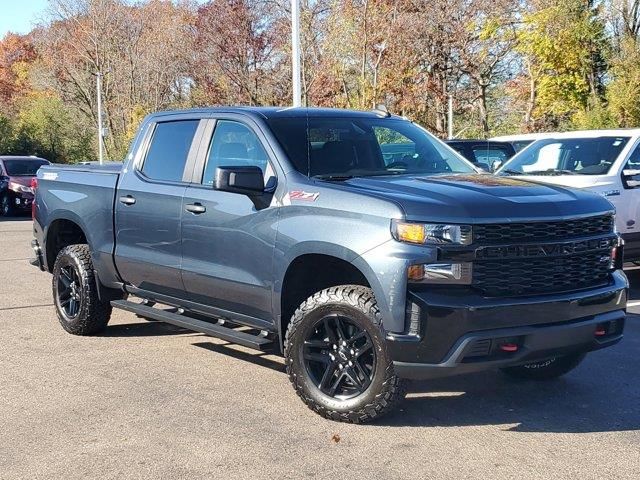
215,330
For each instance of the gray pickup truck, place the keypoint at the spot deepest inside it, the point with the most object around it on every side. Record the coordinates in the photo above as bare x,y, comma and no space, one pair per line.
355,244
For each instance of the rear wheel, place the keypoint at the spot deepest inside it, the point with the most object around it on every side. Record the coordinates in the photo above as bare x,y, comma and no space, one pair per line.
547,369
75,292
337,359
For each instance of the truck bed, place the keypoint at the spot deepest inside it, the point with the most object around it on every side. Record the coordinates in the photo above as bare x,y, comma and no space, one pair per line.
83,194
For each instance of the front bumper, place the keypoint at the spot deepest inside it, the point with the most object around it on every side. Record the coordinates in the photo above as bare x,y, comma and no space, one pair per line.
22,201
461,332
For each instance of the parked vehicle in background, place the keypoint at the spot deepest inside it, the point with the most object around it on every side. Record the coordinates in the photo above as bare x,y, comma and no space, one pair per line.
4,185
602,161
486,154
356,244
18,172
522,140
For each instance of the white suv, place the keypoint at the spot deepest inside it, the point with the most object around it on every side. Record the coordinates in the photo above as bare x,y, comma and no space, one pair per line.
603,161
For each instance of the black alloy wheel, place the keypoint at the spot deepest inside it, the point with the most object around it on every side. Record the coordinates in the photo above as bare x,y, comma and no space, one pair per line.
69,290
75,292
339,357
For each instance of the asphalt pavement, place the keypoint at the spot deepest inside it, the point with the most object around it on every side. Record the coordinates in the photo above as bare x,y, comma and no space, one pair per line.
149,400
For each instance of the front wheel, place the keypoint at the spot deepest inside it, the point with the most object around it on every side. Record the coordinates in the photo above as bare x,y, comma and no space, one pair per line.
547,369
75,292
336,356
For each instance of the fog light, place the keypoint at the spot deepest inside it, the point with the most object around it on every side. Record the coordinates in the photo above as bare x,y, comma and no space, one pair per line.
443,273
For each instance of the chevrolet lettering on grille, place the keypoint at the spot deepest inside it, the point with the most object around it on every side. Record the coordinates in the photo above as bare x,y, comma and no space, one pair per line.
545,250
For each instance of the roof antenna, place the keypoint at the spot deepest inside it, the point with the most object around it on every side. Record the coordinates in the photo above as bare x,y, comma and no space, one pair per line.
381,110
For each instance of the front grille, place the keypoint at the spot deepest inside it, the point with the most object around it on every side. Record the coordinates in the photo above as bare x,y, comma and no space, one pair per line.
542,275
507,233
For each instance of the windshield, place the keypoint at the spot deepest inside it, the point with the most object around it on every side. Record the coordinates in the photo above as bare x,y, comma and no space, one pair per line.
344,147
23,168
569,156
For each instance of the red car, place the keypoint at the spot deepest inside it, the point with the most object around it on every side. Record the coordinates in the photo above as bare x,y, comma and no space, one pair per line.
16,173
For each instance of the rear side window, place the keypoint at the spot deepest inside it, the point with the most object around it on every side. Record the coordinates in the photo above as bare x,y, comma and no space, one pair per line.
169,149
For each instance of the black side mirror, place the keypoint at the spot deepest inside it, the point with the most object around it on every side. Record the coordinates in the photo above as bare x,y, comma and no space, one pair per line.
631,178
243,180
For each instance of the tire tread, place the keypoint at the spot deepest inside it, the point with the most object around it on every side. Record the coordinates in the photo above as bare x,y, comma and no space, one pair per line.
393,388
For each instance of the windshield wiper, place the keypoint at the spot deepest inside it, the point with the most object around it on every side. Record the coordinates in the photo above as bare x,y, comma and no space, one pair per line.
335,178
551,171
511,172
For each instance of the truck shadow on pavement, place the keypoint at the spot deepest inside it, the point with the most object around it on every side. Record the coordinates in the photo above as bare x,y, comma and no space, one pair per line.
601,395
144,329
567,405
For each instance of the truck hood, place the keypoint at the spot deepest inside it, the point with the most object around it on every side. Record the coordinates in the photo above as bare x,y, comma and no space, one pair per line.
480,198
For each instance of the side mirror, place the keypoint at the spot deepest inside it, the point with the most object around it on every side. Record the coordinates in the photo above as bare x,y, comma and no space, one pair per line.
496,165
631,178
243,180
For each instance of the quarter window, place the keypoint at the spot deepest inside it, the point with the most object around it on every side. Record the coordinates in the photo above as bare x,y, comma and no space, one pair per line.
233,145
167,155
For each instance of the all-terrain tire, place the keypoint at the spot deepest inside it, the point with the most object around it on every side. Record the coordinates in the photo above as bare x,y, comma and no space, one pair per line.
385,389
92,314
546,369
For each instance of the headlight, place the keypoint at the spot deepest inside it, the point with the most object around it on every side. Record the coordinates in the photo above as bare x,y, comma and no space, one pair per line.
431,233
16,187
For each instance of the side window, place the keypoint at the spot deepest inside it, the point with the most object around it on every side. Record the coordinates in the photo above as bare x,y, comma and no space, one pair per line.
169,149
634,159
233,145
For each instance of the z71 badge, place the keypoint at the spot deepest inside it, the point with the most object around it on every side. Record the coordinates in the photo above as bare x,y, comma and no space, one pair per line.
302,195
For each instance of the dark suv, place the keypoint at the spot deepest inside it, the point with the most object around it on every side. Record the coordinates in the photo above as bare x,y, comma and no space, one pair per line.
17,173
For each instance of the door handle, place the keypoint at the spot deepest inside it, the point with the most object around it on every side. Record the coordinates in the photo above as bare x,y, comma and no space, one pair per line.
195,208
127,200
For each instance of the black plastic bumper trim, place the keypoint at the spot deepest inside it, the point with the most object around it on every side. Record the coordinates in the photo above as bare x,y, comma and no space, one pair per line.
540,342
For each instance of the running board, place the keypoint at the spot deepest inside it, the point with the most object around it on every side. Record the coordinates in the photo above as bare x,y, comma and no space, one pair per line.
258,342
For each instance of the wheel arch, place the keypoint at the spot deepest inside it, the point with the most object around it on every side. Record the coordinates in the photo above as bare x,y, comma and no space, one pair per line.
310,272
61,233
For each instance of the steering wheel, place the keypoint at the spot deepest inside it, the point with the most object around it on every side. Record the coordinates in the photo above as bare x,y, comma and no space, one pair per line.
397,165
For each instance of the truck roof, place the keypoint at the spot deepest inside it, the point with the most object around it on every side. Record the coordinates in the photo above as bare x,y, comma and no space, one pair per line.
282,112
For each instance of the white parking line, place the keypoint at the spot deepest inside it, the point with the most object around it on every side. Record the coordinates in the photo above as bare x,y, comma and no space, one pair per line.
633,304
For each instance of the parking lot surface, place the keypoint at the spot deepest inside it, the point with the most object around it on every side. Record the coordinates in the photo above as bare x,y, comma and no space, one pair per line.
149,400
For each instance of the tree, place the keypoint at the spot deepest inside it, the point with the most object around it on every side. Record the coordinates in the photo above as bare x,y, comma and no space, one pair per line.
16,54
46,127
563,46
239,54
144,52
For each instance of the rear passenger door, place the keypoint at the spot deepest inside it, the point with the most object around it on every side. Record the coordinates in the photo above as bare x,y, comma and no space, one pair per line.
227,241
149,207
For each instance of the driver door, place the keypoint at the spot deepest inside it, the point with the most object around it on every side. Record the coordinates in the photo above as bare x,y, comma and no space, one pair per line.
227,241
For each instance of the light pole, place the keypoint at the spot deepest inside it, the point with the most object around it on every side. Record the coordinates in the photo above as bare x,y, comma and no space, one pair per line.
450,118
295,52
99,76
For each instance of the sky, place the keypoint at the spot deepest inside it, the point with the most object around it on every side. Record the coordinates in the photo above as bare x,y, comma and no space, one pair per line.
20,15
